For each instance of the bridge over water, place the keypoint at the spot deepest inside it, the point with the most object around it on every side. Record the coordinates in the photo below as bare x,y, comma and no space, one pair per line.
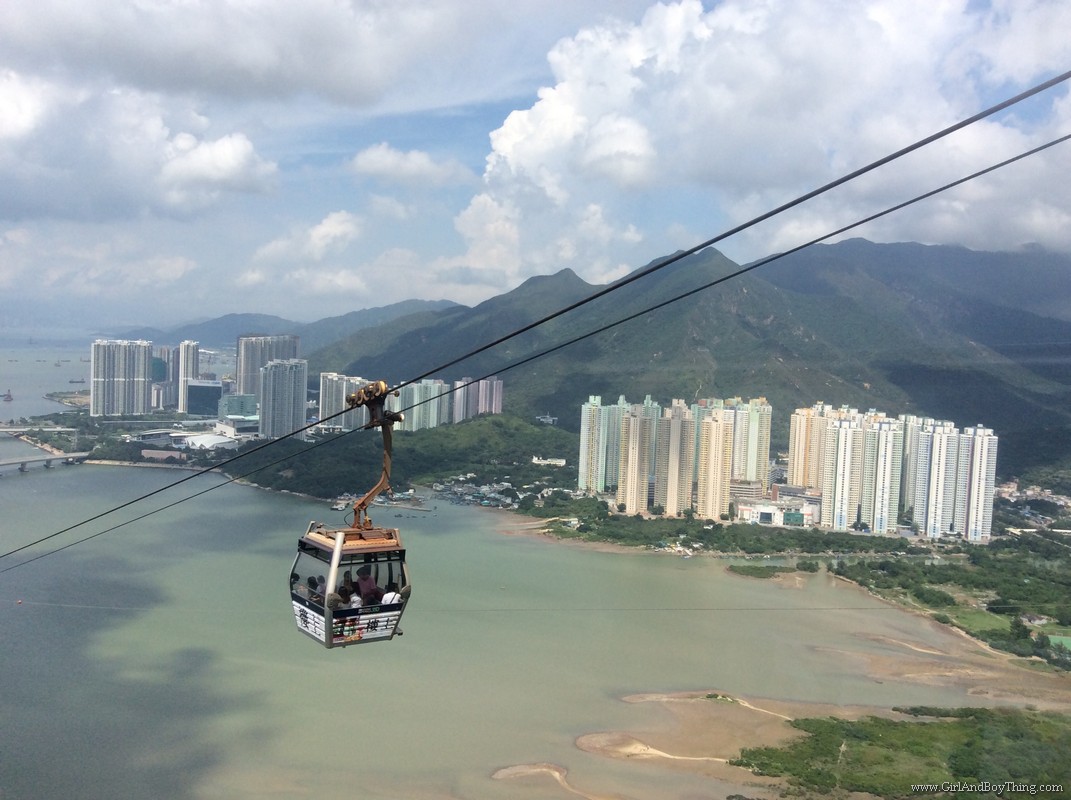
14,430
46,458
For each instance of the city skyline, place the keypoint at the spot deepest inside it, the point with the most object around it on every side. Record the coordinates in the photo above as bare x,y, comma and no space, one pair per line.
846,469
123,371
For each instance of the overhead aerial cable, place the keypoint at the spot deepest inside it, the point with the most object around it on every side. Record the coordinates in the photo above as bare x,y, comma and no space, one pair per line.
530,358
665,262
171,485
661,264
754,265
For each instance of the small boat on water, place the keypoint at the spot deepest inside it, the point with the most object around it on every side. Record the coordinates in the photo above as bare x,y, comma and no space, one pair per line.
8,396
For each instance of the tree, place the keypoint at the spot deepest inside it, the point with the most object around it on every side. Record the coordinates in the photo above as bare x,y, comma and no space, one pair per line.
1019,629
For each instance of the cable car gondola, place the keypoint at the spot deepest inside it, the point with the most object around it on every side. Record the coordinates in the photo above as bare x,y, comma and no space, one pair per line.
335,565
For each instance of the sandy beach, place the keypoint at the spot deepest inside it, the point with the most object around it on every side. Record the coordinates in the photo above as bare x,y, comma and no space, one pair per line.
701,730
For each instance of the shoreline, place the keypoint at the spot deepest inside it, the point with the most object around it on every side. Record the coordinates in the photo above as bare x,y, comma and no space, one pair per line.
701,731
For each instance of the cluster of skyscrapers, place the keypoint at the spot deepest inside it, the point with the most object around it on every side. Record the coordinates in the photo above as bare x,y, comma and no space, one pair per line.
873,469
846,469
426,404
686,456
132,378
268,396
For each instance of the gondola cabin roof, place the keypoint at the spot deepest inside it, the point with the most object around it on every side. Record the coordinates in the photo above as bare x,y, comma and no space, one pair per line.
357,540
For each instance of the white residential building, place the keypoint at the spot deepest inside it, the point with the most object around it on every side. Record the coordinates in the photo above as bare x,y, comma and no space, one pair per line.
284,394
715,455
882,451
978,449
189,369
121,377
674,459
636,454
254,352
936,469
591,476
334,389
751,439
425,405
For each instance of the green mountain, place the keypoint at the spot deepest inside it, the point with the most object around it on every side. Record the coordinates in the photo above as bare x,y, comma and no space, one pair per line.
324,332
224,331
899,328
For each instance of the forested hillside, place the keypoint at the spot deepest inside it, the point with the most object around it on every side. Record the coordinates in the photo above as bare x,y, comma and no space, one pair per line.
898,328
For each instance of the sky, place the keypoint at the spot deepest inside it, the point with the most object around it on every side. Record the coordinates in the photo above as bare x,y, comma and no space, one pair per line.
166,161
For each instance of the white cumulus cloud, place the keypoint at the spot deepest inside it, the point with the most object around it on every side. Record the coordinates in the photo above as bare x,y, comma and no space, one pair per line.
738,107
329,236
197,170
385,163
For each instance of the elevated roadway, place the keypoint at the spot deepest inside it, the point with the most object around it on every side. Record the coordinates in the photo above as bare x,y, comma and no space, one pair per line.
46,458
15,430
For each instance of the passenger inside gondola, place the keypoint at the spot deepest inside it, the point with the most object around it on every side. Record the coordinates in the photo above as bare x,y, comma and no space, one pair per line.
391,595
369,591
350,599
347,581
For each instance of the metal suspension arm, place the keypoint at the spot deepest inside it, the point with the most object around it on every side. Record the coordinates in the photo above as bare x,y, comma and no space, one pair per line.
374,398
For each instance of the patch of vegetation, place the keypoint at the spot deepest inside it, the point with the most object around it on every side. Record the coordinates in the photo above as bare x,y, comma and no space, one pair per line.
722,697
1055,474
759,570
1013,577
722,537
886,757
498,447
112,450
934,598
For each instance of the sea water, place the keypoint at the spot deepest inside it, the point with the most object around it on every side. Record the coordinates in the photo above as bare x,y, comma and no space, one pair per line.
31,372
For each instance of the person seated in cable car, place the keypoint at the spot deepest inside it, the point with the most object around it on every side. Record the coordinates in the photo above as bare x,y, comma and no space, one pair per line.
370,593
347,581
349,599
391,595
314,595
297,587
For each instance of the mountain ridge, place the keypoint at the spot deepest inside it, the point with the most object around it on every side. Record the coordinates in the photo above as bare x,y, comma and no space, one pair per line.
224,331
904,328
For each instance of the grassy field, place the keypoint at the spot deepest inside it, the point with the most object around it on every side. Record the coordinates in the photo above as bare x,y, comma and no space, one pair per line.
979,748
974,620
